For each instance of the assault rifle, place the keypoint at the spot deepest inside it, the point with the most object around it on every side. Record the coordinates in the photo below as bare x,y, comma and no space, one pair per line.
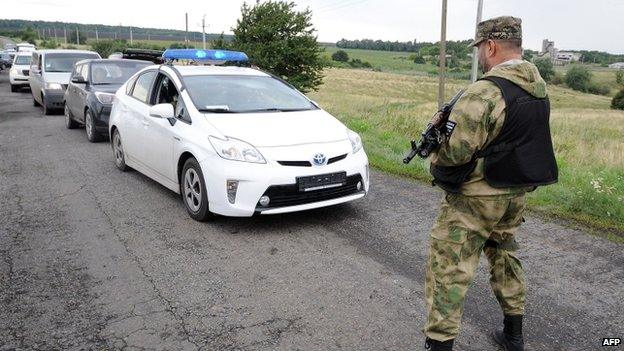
436,130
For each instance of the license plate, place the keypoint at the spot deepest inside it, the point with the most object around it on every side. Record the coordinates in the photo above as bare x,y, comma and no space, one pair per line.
322,181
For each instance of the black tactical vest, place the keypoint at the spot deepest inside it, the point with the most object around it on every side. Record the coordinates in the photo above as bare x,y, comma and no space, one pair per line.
521,155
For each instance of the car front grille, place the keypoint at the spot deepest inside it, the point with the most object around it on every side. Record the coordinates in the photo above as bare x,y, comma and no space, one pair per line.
25,72
309,164
289,194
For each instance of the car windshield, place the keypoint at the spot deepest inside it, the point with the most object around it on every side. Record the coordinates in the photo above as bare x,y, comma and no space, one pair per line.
64,62
23,59
244,94
114,72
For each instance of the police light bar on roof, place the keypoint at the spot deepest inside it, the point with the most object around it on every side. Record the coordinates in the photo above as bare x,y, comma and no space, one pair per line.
204,55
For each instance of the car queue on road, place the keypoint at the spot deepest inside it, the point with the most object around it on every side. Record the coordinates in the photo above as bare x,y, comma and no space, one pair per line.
230,139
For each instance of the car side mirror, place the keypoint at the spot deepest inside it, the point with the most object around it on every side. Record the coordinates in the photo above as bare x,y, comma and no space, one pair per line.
78,80
161,111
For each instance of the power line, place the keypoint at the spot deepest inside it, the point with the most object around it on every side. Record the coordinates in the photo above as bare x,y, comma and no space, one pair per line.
338,6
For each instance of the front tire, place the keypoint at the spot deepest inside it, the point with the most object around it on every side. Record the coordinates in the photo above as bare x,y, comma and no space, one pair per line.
92,134
118,152
69,121
14,88
193,191
44,103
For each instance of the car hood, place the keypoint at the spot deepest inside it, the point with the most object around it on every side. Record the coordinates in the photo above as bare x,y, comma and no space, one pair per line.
280,128
57,77
108,88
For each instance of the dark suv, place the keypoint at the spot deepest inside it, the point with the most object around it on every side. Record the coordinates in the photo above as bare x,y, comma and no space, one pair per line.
91,90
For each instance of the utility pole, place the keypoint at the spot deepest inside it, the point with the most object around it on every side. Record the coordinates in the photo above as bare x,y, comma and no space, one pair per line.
77,36
186,39
204,31
65,34
97,37
442,56
130,35
475,62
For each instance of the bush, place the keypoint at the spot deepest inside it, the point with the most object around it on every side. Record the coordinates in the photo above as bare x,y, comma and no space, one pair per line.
419,59
618,101
578,78
557,79
619,76
107,47
49,44
598,89
340,56
357,63
545,68
181,46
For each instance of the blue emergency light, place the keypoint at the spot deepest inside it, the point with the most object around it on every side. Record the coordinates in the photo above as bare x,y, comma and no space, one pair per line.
204,55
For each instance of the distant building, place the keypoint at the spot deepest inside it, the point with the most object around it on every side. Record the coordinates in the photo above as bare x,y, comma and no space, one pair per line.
567,56
617,65
548,47
557,57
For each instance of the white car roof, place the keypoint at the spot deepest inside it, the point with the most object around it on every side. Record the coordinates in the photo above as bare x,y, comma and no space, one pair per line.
52,51
218,70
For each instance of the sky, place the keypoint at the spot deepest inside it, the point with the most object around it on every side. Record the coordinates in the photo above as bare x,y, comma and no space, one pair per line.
571,24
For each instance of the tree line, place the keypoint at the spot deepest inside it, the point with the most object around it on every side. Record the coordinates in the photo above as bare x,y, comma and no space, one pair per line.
457,48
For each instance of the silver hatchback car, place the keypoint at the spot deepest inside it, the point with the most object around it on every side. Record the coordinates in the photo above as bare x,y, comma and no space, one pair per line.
50,71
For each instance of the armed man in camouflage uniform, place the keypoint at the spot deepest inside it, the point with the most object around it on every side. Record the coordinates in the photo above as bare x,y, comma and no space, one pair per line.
499,149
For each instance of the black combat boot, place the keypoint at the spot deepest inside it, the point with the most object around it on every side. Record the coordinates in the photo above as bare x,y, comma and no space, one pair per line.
435,345
510,338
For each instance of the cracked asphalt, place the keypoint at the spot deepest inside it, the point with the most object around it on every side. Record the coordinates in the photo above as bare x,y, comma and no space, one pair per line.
96,259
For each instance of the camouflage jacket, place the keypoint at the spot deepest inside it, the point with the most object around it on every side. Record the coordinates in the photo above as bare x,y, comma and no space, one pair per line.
479,115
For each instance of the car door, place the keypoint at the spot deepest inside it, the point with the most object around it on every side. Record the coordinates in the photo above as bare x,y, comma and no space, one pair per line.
34,78
135,110
70,94
158,132
80,95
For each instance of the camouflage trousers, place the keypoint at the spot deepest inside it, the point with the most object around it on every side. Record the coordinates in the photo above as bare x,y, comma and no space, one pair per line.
457,239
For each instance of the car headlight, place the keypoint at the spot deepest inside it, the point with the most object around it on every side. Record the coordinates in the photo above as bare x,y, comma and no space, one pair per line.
54,86
236,150
105,98
13,71
356,141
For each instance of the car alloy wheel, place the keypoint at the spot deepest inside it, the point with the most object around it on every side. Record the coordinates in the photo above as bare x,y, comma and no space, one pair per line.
192,190
118,152
69,121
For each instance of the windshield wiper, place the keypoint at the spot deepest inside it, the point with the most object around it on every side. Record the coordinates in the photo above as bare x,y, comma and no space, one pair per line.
217,110
273,109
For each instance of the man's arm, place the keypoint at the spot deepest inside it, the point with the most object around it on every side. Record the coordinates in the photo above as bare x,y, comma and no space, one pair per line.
471,113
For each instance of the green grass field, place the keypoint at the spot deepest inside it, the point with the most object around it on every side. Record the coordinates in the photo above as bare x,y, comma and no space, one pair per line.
388,109
393,61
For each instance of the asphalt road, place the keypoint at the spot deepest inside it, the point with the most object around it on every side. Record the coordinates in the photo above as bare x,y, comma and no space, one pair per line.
93,258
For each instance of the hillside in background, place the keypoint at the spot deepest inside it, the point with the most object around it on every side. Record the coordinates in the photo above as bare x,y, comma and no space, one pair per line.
11,27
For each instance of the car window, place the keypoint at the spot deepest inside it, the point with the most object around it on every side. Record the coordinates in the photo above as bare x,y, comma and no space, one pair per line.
166,92
22,60
114,72
64,62
244,94
142,86
76,71
130,85
84,71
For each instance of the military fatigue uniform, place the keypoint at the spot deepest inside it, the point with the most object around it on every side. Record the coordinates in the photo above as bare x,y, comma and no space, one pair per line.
481,217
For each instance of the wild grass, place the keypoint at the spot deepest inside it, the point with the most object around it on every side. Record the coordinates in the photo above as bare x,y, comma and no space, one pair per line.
389,109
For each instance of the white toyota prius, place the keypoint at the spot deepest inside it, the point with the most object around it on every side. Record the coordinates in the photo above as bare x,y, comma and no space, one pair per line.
233,140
